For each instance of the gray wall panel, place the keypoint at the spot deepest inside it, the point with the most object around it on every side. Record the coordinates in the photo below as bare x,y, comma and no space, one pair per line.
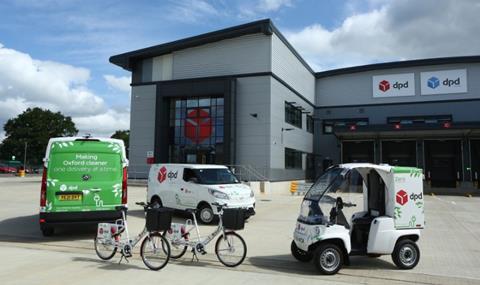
142,129
246,54
252,134
287,66
356,88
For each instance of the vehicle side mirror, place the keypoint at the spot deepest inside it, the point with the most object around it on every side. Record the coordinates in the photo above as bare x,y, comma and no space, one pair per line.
193,180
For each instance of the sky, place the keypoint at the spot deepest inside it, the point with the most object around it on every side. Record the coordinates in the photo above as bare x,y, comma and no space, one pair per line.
54,53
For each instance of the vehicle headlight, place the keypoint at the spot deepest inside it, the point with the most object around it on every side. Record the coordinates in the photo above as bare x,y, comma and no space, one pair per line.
251,193
218,194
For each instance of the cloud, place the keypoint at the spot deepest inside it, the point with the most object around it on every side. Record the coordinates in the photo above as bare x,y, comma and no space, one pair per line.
121,83
394,30
273,5
26,82
191,11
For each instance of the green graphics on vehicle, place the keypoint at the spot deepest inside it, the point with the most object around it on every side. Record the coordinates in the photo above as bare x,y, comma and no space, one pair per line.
84,175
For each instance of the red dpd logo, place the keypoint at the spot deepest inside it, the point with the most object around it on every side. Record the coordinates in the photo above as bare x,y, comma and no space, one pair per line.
384,85
402,197
162,174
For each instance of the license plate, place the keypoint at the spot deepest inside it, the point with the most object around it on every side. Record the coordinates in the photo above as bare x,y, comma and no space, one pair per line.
70,197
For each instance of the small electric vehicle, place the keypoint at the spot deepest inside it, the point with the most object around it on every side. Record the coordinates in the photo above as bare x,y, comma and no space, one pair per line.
386,207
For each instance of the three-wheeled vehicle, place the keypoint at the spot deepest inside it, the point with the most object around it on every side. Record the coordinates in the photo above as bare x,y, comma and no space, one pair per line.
386,207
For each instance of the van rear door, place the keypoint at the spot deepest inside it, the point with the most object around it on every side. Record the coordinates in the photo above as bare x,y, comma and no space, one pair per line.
85,175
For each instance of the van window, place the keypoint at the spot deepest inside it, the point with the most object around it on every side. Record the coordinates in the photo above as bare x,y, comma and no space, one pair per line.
93,158
215,176
188,174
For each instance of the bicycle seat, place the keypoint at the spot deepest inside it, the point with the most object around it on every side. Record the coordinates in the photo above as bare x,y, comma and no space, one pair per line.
191,210
121,208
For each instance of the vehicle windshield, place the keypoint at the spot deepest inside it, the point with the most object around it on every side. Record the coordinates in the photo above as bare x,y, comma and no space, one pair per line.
322,197
215,176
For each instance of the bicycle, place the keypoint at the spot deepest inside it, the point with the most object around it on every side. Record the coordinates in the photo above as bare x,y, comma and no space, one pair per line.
230,247
154,250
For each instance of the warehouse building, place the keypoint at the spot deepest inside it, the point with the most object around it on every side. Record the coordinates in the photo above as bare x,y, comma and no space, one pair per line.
244,97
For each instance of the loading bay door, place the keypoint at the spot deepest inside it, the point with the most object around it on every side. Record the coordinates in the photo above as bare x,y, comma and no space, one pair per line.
401,153
443,162
358,151
475,160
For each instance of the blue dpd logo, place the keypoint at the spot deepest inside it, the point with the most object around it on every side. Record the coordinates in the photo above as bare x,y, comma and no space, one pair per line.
433,82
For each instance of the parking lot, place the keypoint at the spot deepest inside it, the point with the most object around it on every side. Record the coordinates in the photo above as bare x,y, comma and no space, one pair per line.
449,247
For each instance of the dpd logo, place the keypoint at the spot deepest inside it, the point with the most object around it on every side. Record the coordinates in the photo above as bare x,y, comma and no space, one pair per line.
172,175
401,197
384,85
416,197
433,82
162,174
198,125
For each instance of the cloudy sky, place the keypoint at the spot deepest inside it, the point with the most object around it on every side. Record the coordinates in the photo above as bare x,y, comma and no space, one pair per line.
54,53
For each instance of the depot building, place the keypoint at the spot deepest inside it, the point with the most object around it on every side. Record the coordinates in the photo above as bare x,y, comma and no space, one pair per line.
244,97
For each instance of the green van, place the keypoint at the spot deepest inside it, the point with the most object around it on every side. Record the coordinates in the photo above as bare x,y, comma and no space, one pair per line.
83,180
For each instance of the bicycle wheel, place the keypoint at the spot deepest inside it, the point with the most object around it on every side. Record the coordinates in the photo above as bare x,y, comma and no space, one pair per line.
231,249
155,251
105,249
177,249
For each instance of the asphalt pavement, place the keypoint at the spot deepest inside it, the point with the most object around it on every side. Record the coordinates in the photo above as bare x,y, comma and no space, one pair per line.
449,247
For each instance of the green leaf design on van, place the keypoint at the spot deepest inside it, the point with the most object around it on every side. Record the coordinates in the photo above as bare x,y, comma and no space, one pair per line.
117,188
397,213
49,206
115,147
51,182
419,204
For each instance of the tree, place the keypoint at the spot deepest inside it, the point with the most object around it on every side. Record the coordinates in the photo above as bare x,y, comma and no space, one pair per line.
34,127
122,135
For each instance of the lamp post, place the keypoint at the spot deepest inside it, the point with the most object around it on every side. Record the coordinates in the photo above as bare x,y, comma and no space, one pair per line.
25,158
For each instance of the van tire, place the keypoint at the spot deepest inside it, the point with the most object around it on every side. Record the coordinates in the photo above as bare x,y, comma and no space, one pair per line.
205,214
47,231
156,202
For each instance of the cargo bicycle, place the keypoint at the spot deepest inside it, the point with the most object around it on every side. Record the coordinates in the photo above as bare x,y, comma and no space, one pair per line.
154,249
230,247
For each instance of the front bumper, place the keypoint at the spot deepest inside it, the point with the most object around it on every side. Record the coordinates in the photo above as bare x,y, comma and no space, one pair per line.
66,218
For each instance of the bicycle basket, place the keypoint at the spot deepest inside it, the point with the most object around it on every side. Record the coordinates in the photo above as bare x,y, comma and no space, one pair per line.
233,218
158,219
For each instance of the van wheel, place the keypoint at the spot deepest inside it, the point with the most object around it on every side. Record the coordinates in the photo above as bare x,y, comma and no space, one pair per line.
47,232
156,202
328,258
300,255
406,254
205,214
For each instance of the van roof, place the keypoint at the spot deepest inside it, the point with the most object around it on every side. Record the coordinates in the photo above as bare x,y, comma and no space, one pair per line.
194,166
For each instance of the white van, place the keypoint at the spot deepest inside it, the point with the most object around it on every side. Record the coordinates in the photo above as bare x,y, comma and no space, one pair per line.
182,186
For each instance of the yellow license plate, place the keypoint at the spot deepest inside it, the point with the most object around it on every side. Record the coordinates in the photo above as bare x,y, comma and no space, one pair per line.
70,197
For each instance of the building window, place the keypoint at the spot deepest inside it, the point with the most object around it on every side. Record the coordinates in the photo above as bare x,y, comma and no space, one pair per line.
415,120
293,158
293,115
310,124
329,125
196,130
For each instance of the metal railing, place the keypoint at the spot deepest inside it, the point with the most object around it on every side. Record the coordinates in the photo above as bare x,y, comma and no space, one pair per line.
248,172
